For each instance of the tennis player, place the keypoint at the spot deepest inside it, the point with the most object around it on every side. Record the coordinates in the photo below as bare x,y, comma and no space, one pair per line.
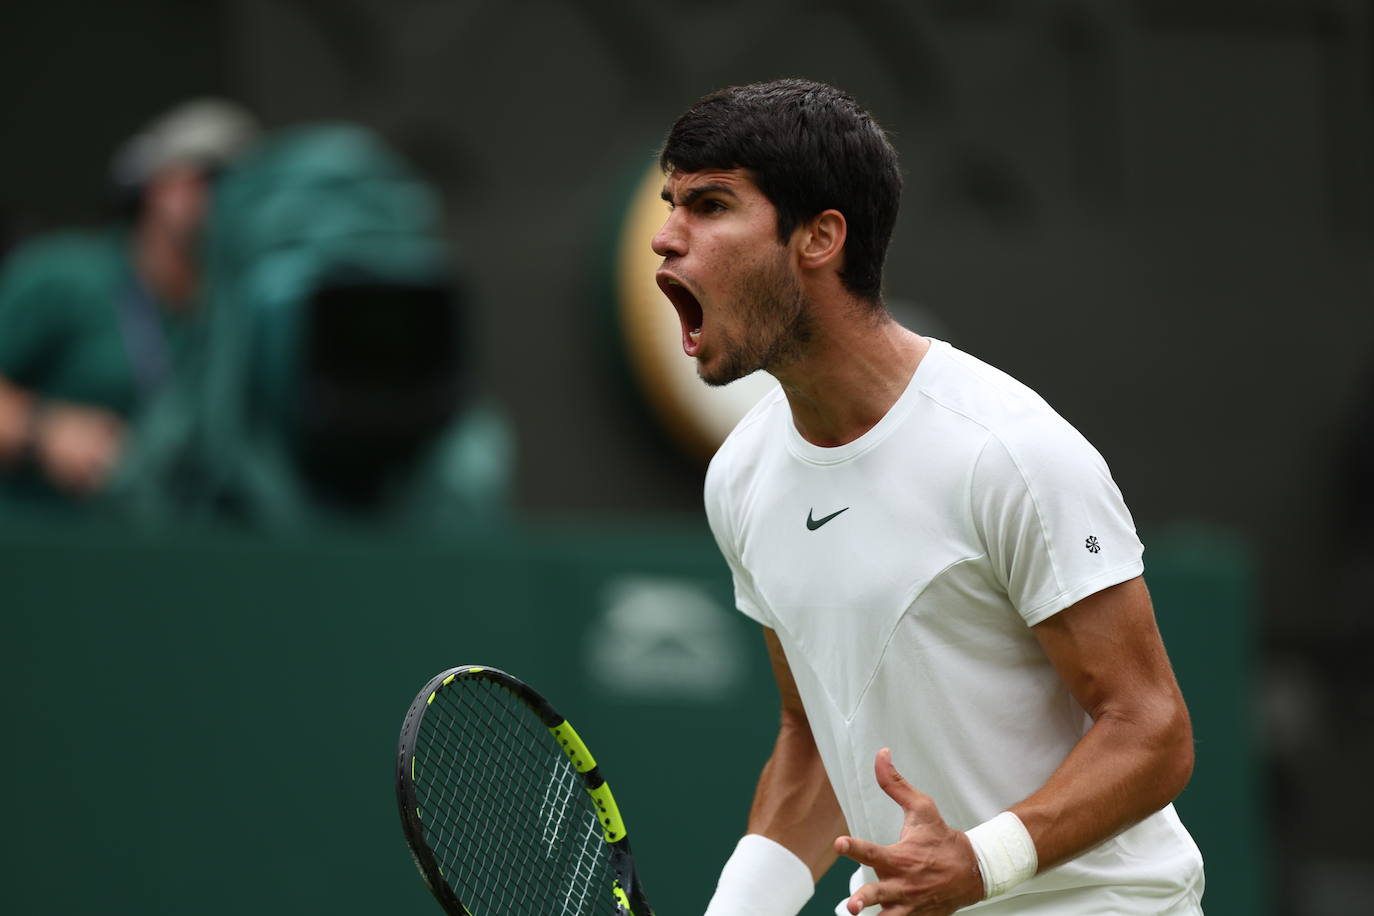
976,705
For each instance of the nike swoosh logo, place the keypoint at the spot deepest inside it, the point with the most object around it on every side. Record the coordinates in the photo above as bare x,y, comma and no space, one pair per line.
813,523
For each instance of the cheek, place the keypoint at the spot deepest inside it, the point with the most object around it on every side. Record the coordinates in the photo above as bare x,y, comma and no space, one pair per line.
717,271
738,268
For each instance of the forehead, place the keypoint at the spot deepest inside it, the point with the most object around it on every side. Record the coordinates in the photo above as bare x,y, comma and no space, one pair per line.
677,184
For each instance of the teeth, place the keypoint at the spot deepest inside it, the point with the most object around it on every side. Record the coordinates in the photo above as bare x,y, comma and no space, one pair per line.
672,282
694,334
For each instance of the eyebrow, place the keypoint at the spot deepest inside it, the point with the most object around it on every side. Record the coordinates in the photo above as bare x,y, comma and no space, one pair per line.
697,192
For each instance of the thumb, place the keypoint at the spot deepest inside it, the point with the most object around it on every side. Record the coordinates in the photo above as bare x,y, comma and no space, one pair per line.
895,785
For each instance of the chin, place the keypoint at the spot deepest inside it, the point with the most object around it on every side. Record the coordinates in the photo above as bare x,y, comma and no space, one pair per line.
714,377
722,375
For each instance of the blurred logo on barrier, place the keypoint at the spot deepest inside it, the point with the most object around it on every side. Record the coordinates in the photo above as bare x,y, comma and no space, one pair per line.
659,638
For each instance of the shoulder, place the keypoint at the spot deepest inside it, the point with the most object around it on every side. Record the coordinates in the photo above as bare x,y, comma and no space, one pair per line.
984,394
71,259
735,465
752,436
60,248
1010,415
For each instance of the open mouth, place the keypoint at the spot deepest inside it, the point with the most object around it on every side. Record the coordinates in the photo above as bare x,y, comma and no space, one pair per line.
689,311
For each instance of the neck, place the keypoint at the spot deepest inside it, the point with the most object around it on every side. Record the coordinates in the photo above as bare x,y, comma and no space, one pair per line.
855,369
165,263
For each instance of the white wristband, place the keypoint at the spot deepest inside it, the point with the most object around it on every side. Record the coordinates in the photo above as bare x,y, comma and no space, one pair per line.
1006,853
761,878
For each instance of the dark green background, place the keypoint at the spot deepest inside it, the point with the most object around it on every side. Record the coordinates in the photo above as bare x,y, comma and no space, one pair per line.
206,723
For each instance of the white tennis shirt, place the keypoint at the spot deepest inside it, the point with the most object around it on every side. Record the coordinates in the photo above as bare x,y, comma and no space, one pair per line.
902,573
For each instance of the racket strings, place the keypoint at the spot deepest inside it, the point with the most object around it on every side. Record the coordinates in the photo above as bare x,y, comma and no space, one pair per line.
504,811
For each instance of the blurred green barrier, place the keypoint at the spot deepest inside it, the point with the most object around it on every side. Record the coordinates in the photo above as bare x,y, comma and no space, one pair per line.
1202,583
205,723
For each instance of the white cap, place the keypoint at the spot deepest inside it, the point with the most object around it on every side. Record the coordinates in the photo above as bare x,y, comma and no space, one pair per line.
209,132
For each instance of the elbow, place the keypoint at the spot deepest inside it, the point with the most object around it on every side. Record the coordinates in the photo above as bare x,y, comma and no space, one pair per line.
1161,736
1176,758
794,721
1179,771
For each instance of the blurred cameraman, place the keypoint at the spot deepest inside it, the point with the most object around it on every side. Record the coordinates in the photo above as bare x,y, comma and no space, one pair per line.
91,322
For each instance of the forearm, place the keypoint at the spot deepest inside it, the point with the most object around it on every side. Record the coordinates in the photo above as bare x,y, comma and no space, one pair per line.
16,422
794,804
1123,770
792,826
793,822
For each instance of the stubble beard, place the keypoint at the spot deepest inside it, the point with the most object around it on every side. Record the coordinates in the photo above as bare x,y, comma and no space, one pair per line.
777,326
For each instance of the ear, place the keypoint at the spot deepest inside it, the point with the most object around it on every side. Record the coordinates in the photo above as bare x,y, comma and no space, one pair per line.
822,240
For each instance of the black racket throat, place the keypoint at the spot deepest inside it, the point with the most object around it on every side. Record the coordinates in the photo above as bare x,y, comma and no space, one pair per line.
505,809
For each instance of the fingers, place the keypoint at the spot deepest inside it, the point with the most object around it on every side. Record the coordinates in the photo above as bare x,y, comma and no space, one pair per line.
861,851
923,830
872,895
898,789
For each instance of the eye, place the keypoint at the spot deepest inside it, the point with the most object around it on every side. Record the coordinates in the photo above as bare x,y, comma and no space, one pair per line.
711,205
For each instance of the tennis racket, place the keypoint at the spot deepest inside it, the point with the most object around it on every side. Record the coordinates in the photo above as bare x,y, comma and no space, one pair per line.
504,808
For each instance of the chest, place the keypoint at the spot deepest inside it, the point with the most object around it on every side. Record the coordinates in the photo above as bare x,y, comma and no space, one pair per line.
90,362
838,554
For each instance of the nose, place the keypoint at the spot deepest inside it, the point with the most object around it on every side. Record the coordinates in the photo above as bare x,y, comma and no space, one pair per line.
669,240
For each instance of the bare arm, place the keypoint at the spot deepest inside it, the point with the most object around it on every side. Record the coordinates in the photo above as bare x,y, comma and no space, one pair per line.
1135,759
16,421
75,445
1138,754
794,804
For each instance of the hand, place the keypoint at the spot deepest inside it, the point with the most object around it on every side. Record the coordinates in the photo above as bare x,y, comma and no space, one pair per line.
77,447
931,869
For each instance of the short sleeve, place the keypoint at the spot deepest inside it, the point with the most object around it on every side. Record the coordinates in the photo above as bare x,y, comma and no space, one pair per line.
719,515
1053,521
